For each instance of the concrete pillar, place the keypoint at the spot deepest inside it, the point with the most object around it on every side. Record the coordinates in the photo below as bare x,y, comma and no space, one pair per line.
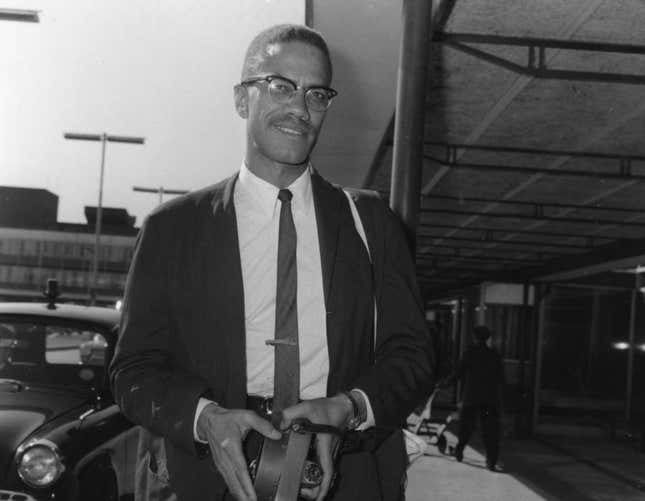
542,298
409,121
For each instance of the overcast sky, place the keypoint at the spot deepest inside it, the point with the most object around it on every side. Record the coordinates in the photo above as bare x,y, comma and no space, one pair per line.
161,69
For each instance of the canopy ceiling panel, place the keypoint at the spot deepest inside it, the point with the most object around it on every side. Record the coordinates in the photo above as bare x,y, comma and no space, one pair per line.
539,103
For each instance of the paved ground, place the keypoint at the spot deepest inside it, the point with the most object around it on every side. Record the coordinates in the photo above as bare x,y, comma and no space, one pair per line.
569,466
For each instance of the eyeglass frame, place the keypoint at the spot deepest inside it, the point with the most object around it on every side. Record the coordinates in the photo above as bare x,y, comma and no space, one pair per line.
331,93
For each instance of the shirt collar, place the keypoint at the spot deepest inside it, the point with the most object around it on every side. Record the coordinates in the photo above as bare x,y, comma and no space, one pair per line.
266,195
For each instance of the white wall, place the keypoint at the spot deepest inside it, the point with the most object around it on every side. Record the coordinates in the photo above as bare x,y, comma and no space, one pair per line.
364,38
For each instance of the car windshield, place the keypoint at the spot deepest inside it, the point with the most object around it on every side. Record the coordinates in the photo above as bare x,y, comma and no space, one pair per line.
45,353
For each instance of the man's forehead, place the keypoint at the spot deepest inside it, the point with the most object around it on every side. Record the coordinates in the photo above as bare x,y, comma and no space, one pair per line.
296,56
293,47
273,49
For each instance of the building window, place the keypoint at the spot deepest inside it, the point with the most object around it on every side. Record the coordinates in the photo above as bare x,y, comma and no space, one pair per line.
29,248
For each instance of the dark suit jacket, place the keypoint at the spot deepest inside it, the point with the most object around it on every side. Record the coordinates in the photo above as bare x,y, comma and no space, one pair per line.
183,335
482,373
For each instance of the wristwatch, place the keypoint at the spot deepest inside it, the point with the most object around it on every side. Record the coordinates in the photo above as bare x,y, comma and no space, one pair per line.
359,409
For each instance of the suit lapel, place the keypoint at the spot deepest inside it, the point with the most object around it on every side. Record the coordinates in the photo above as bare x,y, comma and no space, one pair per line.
327,201
227,290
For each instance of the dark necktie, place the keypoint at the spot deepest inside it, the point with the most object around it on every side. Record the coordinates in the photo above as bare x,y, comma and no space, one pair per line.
287,359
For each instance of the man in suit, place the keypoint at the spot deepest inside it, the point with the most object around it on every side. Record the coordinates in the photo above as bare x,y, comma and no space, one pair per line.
482,373
200,304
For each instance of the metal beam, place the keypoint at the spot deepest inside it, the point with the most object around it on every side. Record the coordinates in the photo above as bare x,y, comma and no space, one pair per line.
556,219
593,285
424,279
558,162
623,172
107,137
604,258
409,120
489,230
158,190
536,64
538,206
439,266
534,151
532,243
547,43
568,30
436,264
421,258
459,248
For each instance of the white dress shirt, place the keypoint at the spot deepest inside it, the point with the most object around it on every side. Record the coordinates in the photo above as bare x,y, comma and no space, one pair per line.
257,211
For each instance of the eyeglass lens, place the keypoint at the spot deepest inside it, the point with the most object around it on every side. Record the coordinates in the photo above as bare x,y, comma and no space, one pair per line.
283,91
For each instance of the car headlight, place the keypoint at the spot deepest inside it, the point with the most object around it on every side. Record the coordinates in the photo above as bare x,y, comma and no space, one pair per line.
39,464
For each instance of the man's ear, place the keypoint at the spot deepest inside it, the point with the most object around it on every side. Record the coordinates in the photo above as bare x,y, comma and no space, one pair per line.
241,96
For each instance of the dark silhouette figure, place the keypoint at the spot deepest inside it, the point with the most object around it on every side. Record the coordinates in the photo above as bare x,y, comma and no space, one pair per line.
482,374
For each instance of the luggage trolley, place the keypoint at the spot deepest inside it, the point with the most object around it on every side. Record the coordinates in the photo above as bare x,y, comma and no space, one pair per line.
434,428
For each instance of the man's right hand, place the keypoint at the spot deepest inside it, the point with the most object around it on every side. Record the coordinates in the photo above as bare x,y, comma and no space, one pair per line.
225,429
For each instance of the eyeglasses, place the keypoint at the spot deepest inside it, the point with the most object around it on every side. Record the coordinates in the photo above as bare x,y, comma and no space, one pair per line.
282,90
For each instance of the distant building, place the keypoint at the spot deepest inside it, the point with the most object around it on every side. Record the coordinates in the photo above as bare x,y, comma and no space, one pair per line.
34,246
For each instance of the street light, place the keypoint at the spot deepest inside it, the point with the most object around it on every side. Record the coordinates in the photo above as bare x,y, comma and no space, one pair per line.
103,138
161,190
29,16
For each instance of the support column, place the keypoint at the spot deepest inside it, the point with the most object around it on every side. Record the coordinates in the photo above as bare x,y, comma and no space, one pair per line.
522,338
599,297
541,297
457,322
631,348
409,121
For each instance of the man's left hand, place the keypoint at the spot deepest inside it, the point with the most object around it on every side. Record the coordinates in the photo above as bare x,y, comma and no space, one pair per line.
335,411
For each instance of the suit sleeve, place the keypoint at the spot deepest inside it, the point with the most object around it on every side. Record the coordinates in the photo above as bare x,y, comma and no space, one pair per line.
149,385
403,372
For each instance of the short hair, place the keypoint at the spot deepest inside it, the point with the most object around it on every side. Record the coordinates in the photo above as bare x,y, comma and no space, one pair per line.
281,33
482,333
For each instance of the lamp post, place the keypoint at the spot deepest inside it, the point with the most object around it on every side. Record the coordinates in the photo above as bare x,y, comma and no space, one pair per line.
29,16
161,190
103,138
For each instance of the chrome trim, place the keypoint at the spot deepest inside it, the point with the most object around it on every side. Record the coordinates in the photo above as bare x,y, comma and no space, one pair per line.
35,442
85,414
15,496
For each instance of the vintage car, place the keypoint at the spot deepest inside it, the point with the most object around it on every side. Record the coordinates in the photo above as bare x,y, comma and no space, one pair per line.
61,434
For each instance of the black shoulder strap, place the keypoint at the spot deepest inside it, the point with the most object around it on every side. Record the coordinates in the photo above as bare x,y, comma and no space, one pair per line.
371,208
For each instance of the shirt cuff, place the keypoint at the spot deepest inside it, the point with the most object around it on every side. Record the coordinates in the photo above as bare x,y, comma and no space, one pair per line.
203,402
369,422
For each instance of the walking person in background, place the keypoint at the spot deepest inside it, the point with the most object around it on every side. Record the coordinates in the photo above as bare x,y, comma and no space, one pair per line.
482,375
206,304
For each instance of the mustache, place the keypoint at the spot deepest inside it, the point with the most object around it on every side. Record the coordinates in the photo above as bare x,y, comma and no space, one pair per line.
292,123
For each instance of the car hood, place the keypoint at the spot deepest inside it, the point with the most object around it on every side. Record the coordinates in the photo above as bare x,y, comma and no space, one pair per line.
24,410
